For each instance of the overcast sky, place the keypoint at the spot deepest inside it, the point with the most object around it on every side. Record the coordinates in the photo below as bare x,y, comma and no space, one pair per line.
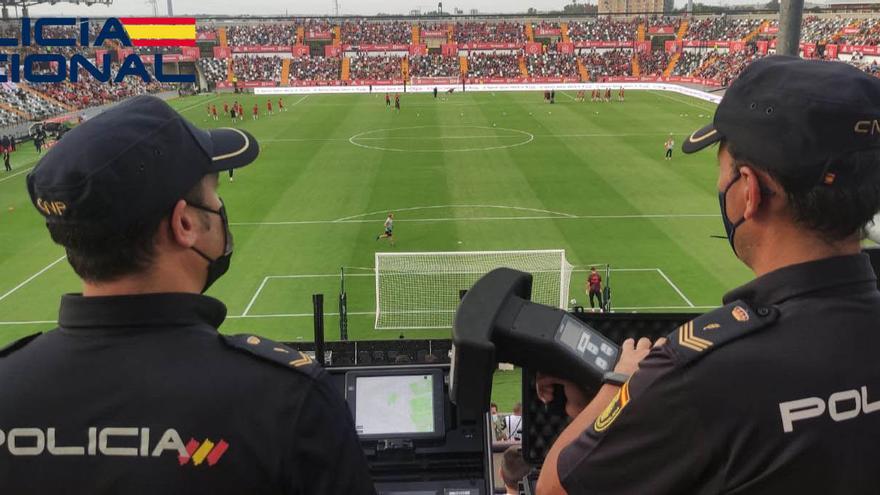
306,7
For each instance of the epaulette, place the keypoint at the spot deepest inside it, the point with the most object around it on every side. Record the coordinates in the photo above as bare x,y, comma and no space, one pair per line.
697,338
18,344
273,351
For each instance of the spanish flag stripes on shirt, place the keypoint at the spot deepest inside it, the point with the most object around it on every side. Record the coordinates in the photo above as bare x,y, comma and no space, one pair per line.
160,31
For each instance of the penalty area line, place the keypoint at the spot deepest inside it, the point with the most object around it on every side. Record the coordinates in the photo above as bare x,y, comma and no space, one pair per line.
675,287
29,279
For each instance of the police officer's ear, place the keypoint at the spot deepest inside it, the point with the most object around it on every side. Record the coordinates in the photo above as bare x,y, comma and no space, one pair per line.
755,191
186,224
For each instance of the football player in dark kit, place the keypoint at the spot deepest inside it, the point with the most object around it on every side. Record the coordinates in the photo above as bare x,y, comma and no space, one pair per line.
136,392
777,391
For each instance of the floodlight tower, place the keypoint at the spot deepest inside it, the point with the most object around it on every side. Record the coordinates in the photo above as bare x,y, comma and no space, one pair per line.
335,7
170,9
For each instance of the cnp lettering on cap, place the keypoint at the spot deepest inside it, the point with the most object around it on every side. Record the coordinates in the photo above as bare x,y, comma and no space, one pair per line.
51,208
871,127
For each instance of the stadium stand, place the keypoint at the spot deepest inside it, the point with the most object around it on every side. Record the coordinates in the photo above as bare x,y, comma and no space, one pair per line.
486,32
315,69
315,25
434,66
690,61
362,32
433,26
610,63
722,28
214,69
552,65
545,25
30,103
367,67
653,63
603,29
257,68
262,34
815,29
728,66
88,93
869,33
664,21
493,65
205,29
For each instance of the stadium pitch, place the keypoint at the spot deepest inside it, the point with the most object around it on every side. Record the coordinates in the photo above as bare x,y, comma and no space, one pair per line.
469,172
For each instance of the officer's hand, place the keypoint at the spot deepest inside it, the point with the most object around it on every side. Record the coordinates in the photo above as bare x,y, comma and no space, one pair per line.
576,398
632,353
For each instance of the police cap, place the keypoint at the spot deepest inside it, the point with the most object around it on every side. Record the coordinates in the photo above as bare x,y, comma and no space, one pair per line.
131,163
796,116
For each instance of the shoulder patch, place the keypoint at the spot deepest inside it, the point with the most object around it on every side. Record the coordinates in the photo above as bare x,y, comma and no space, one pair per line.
700,336
18,344
280,354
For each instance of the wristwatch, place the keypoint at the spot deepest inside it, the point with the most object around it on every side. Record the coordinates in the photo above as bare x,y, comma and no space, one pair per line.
614,378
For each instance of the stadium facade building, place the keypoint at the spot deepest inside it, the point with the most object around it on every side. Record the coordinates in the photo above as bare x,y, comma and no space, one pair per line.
635,6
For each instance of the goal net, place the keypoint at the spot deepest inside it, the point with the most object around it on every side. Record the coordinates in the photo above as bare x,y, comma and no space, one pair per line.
422,290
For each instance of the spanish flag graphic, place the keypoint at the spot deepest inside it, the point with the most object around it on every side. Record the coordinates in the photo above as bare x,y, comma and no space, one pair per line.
160,31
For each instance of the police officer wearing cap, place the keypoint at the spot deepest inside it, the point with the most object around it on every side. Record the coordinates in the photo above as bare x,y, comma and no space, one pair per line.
136,392
777,391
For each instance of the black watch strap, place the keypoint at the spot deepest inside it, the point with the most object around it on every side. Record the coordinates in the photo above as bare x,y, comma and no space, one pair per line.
614,378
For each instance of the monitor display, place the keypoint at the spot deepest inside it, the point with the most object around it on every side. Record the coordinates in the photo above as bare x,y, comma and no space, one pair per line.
399,405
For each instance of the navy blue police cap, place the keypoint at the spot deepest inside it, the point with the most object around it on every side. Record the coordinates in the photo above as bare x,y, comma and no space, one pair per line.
796,117
131,163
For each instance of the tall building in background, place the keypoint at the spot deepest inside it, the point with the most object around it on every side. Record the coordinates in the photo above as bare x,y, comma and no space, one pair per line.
635,6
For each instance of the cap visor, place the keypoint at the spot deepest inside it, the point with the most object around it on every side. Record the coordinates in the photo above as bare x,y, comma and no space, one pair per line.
702,138
232,148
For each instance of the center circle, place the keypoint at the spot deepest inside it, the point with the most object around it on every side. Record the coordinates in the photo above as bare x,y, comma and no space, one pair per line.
441,139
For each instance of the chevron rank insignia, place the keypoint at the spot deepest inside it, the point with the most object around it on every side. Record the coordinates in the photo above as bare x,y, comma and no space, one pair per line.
700,336
273,351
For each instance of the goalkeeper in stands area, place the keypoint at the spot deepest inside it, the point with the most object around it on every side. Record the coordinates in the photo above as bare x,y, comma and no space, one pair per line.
389,229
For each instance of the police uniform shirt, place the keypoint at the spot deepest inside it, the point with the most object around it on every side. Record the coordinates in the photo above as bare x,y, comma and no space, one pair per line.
142,395
776,392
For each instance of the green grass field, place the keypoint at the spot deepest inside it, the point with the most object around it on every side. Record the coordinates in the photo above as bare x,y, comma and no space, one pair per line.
479,171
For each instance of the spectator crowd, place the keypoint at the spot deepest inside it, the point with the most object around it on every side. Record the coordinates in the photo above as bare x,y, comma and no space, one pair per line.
362,32
552,65
257,68
262,34
608,63
603,29
434,66
490,32
315,69
376,67
493,65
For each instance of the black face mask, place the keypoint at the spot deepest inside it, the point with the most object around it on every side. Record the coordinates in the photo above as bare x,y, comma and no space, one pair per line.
729,226
217,267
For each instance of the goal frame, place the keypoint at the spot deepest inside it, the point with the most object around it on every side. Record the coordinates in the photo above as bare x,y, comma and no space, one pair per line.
563,262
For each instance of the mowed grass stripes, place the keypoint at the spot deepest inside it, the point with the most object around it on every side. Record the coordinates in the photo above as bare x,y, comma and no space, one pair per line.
472,171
